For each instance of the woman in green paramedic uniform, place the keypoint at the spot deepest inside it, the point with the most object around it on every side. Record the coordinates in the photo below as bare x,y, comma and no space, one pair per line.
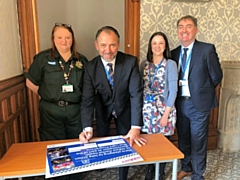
56,74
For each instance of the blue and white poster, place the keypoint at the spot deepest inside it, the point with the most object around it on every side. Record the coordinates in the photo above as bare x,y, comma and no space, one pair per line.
74,157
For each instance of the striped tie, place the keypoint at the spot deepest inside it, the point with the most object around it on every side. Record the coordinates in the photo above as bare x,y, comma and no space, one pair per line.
110,79
110,72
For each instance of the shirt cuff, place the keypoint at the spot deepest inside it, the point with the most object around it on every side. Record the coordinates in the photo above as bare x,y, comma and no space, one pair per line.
88,129
136,127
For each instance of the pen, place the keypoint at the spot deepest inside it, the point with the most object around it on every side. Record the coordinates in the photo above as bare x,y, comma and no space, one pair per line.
85,133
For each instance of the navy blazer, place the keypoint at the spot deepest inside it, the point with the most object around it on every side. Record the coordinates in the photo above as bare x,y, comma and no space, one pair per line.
126,97
205,74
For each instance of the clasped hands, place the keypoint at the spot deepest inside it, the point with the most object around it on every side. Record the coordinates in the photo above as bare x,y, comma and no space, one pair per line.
133,135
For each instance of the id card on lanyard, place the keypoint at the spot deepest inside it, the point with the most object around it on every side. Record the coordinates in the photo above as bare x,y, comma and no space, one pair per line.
66,87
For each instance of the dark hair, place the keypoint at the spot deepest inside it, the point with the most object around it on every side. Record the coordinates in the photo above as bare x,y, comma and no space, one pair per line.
166,53
69,28
107,29
193,19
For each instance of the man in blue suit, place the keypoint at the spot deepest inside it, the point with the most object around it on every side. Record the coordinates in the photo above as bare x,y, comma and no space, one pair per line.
199,74
112,84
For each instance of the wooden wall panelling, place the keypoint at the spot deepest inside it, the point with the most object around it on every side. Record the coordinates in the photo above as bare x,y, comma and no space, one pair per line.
27,13
13,117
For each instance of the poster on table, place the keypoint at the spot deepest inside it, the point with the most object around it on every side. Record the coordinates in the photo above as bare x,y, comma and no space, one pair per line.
74,157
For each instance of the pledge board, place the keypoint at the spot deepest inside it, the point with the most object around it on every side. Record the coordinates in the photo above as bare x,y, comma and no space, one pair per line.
74,157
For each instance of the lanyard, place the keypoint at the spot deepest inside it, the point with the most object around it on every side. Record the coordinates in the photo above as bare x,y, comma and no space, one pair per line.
187,61
66,75
155,73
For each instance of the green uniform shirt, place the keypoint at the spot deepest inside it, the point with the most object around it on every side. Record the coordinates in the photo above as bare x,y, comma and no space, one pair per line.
46,72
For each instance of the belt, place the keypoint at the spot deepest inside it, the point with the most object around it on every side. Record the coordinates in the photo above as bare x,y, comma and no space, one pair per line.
63,103
184,98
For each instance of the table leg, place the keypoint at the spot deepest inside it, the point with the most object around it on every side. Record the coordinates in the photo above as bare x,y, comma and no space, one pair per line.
157,171
174,169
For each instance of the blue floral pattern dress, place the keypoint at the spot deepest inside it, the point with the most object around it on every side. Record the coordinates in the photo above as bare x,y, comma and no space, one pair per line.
153,100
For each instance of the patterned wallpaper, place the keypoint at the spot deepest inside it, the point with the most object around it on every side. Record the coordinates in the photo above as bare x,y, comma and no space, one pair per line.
218,23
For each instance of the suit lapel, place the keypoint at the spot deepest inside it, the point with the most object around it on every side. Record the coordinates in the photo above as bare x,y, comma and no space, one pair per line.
102,75
117,72
177,55
195,51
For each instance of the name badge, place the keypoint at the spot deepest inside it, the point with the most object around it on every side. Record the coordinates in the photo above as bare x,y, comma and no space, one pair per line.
67,88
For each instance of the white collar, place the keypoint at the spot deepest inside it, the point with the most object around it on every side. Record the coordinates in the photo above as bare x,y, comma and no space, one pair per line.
106,62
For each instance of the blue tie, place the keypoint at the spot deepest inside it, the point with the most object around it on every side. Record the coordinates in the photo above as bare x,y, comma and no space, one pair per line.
110,79
110,73
184,58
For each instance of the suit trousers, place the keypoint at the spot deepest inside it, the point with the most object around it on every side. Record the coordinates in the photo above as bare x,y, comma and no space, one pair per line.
192,128
103,129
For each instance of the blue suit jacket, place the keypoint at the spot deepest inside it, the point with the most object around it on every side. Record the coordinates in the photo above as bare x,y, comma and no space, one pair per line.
205,74
126,97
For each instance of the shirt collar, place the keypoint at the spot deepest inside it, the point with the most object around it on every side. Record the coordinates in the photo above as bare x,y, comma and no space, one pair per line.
58,56
106,62
190,46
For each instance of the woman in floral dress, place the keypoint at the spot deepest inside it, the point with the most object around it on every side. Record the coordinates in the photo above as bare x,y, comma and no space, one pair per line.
160,76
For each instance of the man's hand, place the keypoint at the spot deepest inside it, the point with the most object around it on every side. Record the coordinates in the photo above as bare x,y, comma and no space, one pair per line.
85,136
134,135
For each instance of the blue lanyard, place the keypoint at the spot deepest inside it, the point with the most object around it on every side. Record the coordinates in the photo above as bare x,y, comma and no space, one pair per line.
187,62
109,77
155,73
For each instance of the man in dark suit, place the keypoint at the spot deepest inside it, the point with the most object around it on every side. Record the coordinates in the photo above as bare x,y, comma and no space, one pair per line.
199,74
112,85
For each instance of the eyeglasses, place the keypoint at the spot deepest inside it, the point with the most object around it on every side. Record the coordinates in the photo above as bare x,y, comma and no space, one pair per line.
64,25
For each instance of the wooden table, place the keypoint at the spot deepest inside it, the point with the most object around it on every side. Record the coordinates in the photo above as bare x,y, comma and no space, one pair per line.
29,159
